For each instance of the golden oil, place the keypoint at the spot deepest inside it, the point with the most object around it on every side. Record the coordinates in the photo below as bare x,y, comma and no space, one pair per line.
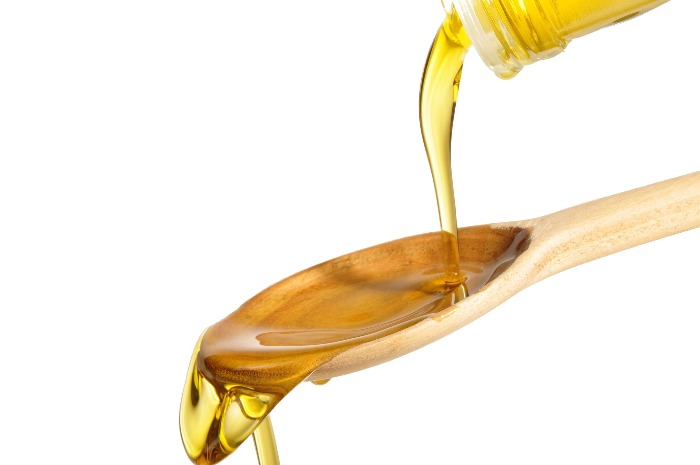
438,98
265,443
243,366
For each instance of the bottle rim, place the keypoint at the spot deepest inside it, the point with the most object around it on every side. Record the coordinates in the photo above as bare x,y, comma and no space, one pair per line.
492,49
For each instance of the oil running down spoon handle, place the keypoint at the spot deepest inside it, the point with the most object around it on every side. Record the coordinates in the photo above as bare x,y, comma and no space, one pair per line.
558,241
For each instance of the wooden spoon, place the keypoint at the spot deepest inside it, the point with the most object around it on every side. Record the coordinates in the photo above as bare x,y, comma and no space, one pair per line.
557,242
377,304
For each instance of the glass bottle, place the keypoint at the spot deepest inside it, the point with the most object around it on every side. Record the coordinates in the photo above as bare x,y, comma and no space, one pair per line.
510,34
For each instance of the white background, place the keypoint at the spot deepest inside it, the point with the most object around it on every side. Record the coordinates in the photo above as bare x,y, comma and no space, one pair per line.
161,162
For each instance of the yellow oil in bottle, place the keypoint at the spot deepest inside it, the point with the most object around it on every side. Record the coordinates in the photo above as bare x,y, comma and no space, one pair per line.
573,18
510,35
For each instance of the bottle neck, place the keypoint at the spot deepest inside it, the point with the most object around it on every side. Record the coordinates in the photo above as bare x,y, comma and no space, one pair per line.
510,35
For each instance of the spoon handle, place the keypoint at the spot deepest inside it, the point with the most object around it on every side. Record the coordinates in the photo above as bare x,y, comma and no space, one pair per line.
593,230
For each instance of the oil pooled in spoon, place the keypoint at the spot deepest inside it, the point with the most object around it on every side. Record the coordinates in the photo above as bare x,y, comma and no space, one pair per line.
245,364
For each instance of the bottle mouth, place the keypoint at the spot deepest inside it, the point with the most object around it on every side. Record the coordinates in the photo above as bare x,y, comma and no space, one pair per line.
508,37
490,38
